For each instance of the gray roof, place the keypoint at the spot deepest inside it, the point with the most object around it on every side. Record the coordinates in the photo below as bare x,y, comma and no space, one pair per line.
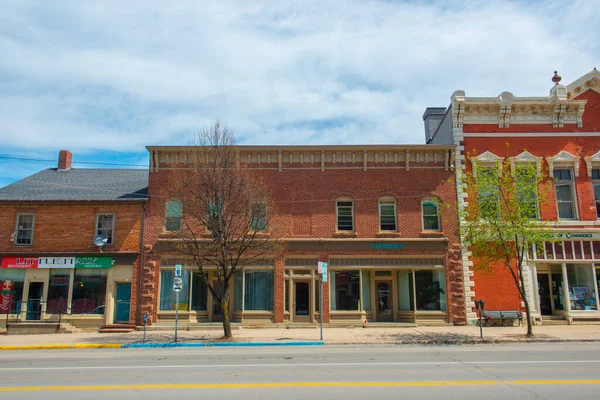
80,185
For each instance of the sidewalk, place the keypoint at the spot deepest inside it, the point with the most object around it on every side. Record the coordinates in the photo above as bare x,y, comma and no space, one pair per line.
355,335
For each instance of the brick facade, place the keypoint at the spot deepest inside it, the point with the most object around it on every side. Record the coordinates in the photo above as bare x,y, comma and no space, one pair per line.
567,120
305,183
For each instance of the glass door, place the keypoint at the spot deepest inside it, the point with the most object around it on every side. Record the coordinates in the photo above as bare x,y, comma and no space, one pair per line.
123,303
544,293
302,302
384,301
217,311
34,301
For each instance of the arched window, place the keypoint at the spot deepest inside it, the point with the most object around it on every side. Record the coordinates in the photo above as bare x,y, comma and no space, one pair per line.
431,216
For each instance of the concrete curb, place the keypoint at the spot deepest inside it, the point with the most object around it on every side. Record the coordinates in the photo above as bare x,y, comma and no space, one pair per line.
419,342
156,345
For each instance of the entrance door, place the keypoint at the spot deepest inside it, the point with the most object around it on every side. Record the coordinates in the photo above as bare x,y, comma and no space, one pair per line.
217,311
384,301
123,303
34,301
544,292
302,302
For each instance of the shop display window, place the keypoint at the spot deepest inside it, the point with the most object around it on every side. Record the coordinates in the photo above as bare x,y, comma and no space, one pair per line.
366,290
345,290
58,290
89,291
405,291
167,295
430,290
238,286
582,288
199,292
258,290
11,280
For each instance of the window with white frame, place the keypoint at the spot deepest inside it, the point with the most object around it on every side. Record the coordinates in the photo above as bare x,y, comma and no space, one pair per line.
345,215
527,191
387,215
24,229
488,195
596,183
105,225
565,194
431,216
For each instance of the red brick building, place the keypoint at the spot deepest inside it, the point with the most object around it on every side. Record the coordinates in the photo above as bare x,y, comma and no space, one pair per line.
376,214
50,262
560,132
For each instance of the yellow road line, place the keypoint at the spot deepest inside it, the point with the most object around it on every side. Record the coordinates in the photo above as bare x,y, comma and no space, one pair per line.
63,346
297,384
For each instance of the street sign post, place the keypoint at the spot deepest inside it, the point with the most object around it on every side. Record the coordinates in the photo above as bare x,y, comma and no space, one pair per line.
177,287
322,269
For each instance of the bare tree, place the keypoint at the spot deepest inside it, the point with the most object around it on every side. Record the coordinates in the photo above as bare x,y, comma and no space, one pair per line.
224,218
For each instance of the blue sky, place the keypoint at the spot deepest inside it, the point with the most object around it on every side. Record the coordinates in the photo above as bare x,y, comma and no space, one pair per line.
106,78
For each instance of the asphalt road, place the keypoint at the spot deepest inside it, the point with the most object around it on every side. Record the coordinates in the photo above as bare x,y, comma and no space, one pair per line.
515,371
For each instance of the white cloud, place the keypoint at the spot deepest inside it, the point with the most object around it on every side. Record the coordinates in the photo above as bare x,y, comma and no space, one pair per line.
115,75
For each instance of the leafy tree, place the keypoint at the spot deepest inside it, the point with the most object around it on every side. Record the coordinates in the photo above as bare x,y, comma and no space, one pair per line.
223,210
500,222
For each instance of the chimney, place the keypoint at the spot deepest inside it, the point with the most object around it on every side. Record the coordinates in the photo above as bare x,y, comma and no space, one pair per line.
64,160
432,117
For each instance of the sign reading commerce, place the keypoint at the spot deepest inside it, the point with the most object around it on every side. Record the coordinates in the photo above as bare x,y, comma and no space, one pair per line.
56,262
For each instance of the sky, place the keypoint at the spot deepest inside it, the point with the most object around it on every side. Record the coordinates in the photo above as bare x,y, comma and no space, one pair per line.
106,78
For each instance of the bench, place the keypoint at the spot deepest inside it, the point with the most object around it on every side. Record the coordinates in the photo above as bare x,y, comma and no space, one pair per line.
502,316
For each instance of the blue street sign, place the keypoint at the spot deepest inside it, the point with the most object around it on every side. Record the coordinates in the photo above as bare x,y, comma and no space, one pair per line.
178,270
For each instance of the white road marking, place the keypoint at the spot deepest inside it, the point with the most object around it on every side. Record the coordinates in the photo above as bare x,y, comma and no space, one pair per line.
365,364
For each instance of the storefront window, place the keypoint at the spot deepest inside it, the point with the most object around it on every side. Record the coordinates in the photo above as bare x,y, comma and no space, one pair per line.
11,280
167,295
58,290
345,290
199,292
286,296
582,288
89,290
405,291
237,296
258,290
317,296
366,290
430,288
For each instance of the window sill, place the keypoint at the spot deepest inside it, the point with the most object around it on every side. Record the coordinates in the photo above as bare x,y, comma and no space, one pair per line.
259,234
432,234
345,234
22,245
385,234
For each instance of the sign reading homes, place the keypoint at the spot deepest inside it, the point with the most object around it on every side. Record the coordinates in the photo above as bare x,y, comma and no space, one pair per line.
387,246
57,262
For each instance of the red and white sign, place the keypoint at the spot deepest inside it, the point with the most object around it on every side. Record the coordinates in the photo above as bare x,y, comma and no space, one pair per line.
19,262
6,297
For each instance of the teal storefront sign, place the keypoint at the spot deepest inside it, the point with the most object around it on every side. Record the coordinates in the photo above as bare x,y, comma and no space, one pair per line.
93,262
387,246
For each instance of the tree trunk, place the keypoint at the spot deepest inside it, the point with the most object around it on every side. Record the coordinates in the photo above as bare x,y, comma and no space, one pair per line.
523,294
225,310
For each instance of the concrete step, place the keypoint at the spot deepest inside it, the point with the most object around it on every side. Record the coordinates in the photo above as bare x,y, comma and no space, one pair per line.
117,328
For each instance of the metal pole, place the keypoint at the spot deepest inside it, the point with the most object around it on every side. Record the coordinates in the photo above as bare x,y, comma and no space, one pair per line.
321,308
176,313
145,323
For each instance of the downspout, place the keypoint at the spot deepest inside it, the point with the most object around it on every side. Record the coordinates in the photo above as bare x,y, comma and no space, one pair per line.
138,306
